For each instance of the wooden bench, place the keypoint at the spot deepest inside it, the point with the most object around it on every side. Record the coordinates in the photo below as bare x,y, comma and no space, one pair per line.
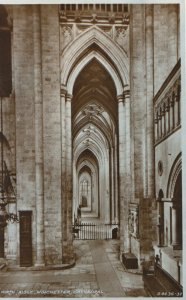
161,284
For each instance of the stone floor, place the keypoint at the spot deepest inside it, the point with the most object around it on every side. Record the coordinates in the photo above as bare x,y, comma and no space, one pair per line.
97,273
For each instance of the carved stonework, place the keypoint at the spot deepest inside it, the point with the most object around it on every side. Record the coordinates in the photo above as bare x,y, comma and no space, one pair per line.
108,30
80,28
89,130
92,110
133,220
87,142
66,36
120,36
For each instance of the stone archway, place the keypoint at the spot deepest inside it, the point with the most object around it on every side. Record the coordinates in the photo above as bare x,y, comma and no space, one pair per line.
95,50
174,192
86,162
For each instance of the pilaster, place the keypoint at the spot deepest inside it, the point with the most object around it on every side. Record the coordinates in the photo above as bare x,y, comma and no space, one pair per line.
40,244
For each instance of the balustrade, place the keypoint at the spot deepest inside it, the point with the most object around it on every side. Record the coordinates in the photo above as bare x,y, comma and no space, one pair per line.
95,7
167,106
91,13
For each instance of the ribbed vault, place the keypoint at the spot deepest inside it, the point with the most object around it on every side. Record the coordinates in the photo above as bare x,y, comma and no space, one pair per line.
94,131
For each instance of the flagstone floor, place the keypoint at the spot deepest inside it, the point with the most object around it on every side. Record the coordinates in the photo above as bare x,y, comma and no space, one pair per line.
97,273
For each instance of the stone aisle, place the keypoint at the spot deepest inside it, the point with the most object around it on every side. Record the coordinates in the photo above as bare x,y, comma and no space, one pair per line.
105,274
97,273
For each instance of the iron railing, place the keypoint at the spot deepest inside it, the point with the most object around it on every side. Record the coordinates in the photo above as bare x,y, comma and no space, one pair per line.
93,231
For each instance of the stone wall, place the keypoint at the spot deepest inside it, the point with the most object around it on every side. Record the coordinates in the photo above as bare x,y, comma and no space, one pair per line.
141,26
37,42
167,152
24,97
166,41
25,90
51,132
154,50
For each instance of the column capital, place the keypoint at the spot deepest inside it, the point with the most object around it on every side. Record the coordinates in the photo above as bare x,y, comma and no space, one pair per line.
167,107
159,116
177,98
172,102
163,111
167,199
69,97
63,90
120,98
126,92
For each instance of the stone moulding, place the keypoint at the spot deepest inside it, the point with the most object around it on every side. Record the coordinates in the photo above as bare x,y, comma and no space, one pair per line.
119,69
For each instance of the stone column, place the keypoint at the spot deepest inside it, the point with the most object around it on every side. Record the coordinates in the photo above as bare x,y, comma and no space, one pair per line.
150,93
101,191
68,137
127,135
176,111
167,117
179,100
12,235
69,248
116,181
172,114
63,165
75,192
160,224
163,121
39,179
124,246
175,234
128,182
121,119
107,202
112,174
156,128
160,125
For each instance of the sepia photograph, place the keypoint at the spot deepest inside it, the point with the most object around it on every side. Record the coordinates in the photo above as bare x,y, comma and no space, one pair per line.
91,149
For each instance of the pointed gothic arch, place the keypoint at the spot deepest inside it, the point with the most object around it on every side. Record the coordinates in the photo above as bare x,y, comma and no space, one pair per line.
95,48
174,173
101,47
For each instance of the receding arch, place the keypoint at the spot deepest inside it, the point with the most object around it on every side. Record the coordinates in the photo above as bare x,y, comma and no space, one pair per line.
71,65
174,173
87,163
101,59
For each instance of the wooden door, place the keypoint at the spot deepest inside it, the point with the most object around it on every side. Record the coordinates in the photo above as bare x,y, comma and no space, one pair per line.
2,242
25,238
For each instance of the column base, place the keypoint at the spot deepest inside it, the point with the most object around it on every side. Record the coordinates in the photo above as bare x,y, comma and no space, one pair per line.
39,264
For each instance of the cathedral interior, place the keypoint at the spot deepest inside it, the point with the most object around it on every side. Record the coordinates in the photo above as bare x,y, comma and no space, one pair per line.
90,137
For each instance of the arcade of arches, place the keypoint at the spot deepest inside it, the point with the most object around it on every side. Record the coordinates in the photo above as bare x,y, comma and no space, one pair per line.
95,123
91,132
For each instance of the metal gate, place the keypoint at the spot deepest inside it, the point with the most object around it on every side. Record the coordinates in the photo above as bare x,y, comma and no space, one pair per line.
93,231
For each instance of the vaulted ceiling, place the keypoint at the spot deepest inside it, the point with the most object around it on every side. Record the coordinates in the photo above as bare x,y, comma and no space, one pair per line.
94,128
95,83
